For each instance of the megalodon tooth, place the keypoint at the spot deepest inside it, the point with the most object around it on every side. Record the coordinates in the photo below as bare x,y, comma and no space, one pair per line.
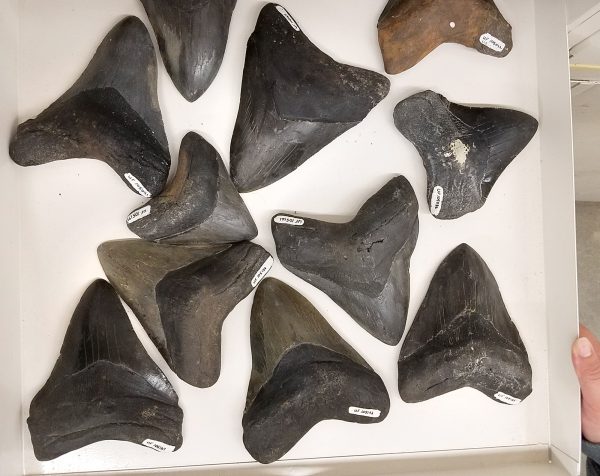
111,113
463,336
295,100
104,386
182,295
192,37
200,205
303,372
411,29
363,265
464,149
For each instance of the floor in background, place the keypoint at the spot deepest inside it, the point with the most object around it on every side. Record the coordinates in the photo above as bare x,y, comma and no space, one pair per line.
588,259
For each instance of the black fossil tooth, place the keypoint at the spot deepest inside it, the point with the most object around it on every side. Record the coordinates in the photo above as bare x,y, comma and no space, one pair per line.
303,372
464,149
111,114
411,29
183,294
363,265
295,100
192,36
463,336
200,206
104,386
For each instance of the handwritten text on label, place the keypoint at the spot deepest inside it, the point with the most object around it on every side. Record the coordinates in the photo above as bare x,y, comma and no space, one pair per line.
137,185
504,398
492,42
284,220
366,412
262,272
437,199
158,446
288,17
138,214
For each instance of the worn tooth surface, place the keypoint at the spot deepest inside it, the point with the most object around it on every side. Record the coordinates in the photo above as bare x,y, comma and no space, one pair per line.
295,100
200,206
111,114
104,386
411,29
363,265
303,372
464,149
192,36
463,336
182,295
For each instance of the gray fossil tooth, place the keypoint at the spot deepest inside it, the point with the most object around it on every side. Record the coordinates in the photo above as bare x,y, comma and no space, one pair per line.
182,295
200,206
295,100
104,386
463,336
303,372
464,149
192,36
363,265
111,114
411,29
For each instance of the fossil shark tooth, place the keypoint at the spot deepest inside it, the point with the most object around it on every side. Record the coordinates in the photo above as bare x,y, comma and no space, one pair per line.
463,336
294,101
411,29
182,295
303,372
192,36
363,265
464,149
104,386
200,206
111,113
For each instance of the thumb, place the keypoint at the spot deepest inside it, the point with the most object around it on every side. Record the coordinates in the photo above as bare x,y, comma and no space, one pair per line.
587,366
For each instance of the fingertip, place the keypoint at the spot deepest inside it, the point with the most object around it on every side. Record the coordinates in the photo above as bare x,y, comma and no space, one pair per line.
583,348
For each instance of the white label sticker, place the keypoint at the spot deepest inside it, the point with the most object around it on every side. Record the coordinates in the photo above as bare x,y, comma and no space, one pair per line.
262,272
437,198
288,17
492,42
138,214
137,185
158,446
364,412
285,220
507,399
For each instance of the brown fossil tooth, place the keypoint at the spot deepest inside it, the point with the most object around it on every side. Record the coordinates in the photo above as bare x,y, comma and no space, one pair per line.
411,29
